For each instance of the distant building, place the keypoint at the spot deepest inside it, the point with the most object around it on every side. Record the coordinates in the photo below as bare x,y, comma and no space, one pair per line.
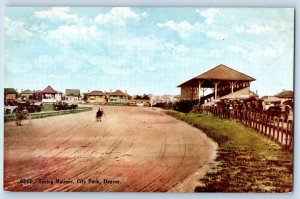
117,98
10,94
164,99
38,95
49,95
95,97
285,94
27,95
140,100
278,100
270,101
72,95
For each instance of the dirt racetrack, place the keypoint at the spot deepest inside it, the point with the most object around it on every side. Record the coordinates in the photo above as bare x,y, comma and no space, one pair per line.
133,149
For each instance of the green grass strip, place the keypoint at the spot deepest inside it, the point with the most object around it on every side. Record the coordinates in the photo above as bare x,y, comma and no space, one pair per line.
37,115
246,160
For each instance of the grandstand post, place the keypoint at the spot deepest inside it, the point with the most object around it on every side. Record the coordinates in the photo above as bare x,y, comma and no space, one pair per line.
216,88
199,89
232,84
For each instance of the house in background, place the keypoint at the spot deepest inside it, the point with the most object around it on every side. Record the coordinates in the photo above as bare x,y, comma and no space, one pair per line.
37,95
139,100
164,99
285,94
49,95
27,95
10,94
117,98
72,95
280,99
95,97
270,101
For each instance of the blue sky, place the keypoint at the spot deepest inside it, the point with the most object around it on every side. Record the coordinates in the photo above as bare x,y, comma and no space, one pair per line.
145,50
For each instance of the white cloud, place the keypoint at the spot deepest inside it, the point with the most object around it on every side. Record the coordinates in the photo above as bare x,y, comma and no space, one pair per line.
16,30
265,55
110,66
39,27
67,34
138,55
271,27
149,45
257,54
239,29
66,59
6,22
184,28
257,29
59,76
45,62
135,44
237,49
210,14
69,59
176,48
110,70
56,13
285,25
217,35
118,16
17,65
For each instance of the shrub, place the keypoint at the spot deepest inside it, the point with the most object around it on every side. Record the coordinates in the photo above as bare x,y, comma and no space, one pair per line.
184,106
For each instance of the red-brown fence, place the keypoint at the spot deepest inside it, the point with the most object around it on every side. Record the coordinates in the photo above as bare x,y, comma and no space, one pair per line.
278,129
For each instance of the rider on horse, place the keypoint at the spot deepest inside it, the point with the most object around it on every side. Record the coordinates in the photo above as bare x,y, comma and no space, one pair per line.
99,114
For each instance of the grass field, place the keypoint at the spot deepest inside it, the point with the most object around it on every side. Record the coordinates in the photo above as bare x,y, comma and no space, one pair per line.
47,107
246,160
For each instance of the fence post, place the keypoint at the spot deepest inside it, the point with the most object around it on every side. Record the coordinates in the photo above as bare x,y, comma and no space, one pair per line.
257,121
283,133
249,118
290,133
266,124
270,126
275,129
279,132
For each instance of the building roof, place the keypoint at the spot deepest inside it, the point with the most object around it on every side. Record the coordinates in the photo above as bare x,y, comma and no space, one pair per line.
285,94
95,93
27,92
271,99
49,90
220,72
117,93
72,92
10,90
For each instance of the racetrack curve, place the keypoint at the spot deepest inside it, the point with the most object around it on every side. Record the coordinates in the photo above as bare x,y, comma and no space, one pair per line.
140,149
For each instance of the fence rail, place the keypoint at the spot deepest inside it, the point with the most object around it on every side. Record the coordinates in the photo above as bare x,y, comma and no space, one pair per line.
11,117
278,129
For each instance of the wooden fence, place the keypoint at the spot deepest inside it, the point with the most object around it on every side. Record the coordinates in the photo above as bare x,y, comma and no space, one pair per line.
278,129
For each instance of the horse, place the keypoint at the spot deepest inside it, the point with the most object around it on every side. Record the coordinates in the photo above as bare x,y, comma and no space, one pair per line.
99,114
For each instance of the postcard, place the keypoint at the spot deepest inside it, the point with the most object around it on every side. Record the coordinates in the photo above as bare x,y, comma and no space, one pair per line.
148,99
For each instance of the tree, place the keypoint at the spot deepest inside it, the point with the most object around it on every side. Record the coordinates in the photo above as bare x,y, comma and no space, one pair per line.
146,97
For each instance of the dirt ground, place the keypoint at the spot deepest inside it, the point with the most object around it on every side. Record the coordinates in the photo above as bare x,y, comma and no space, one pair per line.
133,149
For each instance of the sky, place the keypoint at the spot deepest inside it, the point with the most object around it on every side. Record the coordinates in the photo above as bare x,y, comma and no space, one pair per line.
145,49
